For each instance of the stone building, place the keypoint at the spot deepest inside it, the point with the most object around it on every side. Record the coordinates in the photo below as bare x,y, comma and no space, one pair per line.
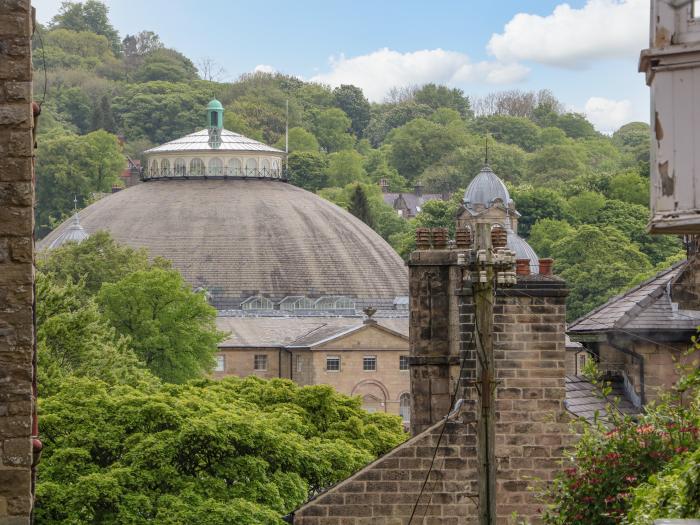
409,204
281,265
433,477
19,444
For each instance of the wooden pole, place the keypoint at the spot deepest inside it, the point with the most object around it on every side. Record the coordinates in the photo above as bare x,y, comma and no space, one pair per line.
484,296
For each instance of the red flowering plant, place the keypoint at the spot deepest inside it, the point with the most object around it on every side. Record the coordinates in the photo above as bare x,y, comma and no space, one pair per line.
616,453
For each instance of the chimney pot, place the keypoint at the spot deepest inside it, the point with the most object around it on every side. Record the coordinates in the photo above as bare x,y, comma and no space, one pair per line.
522,266
546,266
423,238
439,238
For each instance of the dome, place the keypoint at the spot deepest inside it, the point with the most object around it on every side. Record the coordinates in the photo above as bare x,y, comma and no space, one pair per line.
72,231
214,104
201,141
486,188
241,238
523,250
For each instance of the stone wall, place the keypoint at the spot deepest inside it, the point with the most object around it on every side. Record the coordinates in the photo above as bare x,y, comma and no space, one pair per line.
16,262
532,431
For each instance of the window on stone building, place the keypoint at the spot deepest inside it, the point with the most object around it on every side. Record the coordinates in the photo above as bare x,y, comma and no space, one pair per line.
332,363
266,168
220,363
196,167
405,407
216,167
251,168
180,167
369,363
260,362
165,167
403,362
235,168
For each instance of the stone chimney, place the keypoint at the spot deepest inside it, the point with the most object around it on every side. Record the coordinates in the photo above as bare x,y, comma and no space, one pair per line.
418,189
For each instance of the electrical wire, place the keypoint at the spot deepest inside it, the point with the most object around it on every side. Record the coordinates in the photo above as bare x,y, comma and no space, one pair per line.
43,61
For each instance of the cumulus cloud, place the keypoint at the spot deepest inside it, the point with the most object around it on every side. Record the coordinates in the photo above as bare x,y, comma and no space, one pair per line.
264,68
377,72
608,115
575,37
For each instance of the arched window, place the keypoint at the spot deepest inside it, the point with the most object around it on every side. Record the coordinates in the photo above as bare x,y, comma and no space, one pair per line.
165,167
196,167
154,168
257,303
216,167
235,168
265,168
405,407
251,167
335,302
296,302
275,168
180,167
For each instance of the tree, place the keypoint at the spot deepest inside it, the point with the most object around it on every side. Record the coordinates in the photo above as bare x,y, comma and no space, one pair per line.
555,163
359,206
171,328
597,263
96,260
65,48
545,233
576,126
511,130
384,118
436,97
345,167
299,140
331,126
630,187
140,44
102,116
243,451
535,204
166,65
355,105
308,170
70,165
76,106
210,70
90,15
585,206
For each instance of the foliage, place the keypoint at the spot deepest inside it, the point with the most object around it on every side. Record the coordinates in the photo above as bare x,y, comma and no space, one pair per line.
345,167
646,467
91,16
232,451
546,232
331,129
308,170
535,204
299,140
355,105
438,97
359,205
170,328
71,165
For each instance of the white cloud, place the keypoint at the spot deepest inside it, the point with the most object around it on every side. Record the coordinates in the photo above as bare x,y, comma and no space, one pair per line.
264,68
377,72
608,115
575,37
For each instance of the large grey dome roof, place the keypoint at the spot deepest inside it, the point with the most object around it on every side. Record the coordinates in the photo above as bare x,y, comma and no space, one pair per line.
240,238
523,250
485,188
73,232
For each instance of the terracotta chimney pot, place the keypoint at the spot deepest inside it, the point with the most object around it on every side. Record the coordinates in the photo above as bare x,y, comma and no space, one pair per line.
522,266
546,266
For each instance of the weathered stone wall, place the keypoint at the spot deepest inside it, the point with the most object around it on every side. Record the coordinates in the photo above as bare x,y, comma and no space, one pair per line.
531,423
16,262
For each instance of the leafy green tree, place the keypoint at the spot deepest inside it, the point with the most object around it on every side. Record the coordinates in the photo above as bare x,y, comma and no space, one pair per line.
630,187
355,105
308,170
359,206
597,263
437,97
545,233
96,260
384,118
140,44
73,49
166,65
512,130
345,167
91,16
71,165
535,204
576,126
558,163
420,143
585,206
299,140
76,106
551,136
634,140
102,116
378,169
241,451
600,154
171,328
331,128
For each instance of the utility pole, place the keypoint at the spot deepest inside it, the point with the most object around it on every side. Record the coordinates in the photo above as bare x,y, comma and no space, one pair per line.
488,268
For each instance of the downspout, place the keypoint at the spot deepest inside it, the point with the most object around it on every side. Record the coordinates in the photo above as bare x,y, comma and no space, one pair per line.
640,360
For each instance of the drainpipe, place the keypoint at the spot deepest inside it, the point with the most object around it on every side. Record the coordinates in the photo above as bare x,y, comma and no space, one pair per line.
640,360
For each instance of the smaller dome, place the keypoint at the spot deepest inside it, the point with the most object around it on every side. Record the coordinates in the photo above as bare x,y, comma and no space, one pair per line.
486,188
74,233
523,250
214,104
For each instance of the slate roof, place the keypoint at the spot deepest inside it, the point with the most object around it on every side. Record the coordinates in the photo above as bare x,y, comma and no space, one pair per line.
413,201
485,188
583,399
646,307
295,331
199,141
73,232
239,238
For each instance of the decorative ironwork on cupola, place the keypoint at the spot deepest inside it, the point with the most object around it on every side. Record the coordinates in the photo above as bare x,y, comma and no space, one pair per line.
215,122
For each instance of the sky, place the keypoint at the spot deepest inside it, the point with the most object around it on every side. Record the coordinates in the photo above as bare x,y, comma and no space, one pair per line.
584,51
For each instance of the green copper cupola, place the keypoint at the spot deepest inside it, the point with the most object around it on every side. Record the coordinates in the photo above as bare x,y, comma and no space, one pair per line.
215,115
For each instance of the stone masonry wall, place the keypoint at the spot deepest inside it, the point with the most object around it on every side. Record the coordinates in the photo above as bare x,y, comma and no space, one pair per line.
16,262
532,430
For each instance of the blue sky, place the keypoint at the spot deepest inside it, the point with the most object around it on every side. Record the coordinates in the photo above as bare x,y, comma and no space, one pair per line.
585,51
